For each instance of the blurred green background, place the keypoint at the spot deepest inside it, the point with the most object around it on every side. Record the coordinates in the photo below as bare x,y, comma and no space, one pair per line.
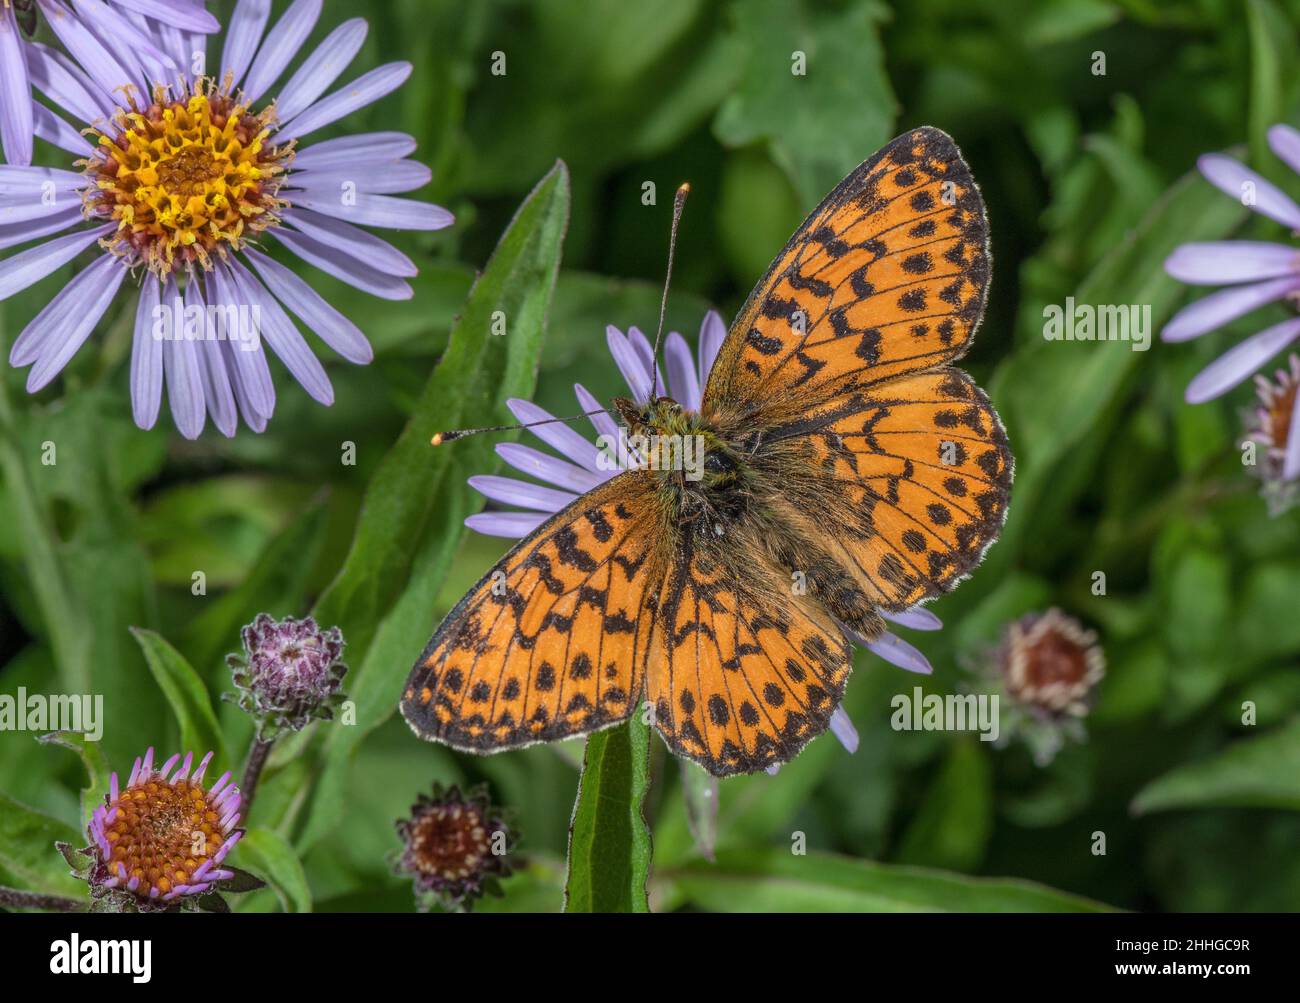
1086,181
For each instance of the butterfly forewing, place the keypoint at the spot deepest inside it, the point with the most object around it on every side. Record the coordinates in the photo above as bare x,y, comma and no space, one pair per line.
887,276
552,642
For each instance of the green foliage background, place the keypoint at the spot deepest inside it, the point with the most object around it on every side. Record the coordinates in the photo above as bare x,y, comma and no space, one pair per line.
1086,180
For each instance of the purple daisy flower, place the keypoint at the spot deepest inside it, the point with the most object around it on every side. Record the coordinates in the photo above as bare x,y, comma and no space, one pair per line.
1256,273
584,466
165,835
183,179
20,117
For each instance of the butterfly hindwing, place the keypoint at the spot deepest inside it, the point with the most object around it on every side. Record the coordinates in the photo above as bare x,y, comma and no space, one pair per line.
551,642
904,483
887,276
743,672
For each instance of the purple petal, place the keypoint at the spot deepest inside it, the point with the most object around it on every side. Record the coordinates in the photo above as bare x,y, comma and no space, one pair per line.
86,298
29,182
218,396
178,13
253,387
15,93
146,357
349,151
1236,179
371,177
20,233
321,68
283,337
134,48
916,618
29,267
282,44
1236,364
336,262
1285,142
365,90
93,56
683,378
604,426
842,728
242,37
1219,308
898,652
181,372
344,238
64,85
331,326
713,332
1222,262
1291,462
629,363
548,468
511,525
51,128
521,494
375,210
556,434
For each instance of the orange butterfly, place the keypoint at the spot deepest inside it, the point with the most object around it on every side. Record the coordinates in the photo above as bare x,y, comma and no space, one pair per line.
847,468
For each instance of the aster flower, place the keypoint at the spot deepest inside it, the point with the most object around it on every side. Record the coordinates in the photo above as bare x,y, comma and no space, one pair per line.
1270,425
584,466
289,674
186,173
162,839
1256,273
453,847
20,117
1045,671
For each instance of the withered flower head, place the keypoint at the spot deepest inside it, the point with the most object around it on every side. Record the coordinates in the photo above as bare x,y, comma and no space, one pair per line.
454,847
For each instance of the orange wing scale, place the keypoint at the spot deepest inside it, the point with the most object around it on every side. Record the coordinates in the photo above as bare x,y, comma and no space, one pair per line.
749,673
887,276
551,642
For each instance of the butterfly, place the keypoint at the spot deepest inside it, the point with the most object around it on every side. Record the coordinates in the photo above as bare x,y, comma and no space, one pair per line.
848,468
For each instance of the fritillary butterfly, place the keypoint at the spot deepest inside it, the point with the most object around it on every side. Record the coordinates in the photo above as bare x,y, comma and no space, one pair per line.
840,444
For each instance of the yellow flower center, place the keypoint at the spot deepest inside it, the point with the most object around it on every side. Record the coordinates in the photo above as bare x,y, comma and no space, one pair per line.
185,178
163,833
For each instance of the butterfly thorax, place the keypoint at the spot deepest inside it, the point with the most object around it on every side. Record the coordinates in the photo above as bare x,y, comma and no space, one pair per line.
700,470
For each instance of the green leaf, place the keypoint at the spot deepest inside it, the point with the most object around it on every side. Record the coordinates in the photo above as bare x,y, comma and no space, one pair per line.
185,693
955,820
28,856
802,56
1261,772
275,585
776,880
269,856
412,518
97,769
1272,44
609,842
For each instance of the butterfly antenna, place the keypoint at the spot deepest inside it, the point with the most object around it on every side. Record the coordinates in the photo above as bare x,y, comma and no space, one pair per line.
444,437
679,203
